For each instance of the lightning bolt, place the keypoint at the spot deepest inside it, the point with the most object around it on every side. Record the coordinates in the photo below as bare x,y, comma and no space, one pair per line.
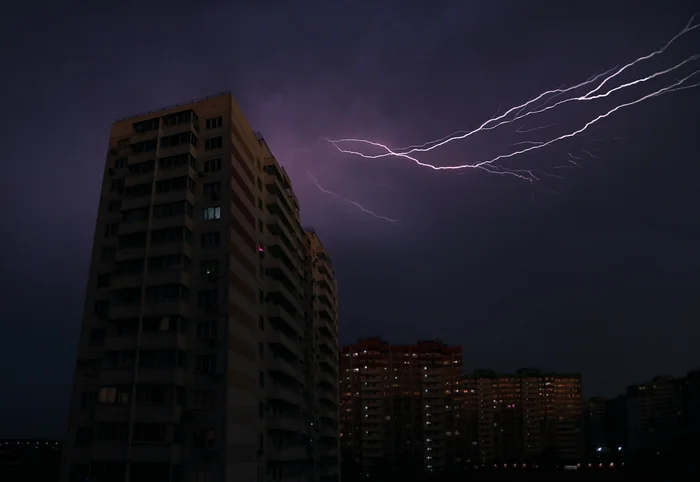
521,111
343,198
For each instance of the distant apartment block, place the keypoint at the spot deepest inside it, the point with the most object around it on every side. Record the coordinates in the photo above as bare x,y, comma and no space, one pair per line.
522,417
208,350
398,403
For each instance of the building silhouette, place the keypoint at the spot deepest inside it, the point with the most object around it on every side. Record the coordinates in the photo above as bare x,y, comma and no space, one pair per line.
522,417
398,404
208,349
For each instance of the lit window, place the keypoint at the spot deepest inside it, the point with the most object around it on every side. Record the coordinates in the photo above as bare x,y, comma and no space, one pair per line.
212,213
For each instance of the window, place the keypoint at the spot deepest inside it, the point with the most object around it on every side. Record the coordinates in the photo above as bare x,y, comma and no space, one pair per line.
260,204
171,235
214,122
101,308
166,292
261,296
261,323
212,213
209,268
108,254
179,139
261,378
208,298
212,239
211,188
261,350
97,336
89,400
212,165
175,184
171,261
178,160
115,395
172,209
133,215
141,167
147,125
150,432
261,227
203,438
114,206
204,400
84,436
119,163
120,360
143,189
111,229
202,476
259,184
205,364
145,146
103,280
213,143
206,329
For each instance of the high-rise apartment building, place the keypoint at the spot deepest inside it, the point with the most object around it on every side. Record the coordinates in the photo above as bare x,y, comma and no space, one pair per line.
519,417
208,350
398,403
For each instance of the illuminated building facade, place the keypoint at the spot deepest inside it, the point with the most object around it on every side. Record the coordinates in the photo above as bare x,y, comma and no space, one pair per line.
519,417
398,403
198,359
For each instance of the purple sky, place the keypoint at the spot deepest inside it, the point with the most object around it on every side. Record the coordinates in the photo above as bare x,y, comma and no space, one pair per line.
600,278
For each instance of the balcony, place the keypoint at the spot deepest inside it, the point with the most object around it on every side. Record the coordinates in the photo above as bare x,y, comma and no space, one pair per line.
174,196
290,343
280,365
284,291
286,454
126,310
126,280
173,222
112,412
133,227
277,391
278,313
164,308
155,376
169,414
135,202
150,453
286,423
134,179
162,340
168,276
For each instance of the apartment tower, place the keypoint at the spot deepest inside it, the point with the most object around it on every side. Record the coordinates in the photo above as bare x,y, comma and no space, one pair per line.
522,417
205,337
398,404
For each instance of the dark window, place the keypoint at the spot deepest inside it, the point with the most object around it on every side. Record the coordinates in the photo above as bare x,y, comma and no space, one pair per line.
97,336
115,395
172,261
203,438
108,254
137,190
147,125
213,143
172,209
153,359
209,268
212,165
208,298
117,185
175,184
101,308
103,280
84,436
259,184
111,229
178,160
211,188
133,215
119,163
261,323
110,432
144,146
177,118
214,122
150,432
206,329
119,360
141,167
128,295
179,139
205,364
129,266
204,400
212,239
171,235
89,400
114,206
166,292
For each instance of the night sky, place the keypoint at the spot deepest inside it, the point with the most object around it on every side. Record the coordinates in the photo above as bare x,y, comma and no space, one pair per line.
597,271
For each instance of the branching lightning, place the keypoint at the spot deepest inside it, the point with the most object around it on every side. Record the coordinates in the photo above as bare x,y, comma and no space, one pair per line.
598,87
521,111
343,198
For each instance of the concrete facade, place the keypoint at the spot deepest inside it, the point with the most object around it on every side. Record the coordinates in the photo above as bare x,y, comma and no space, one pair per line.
200,351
